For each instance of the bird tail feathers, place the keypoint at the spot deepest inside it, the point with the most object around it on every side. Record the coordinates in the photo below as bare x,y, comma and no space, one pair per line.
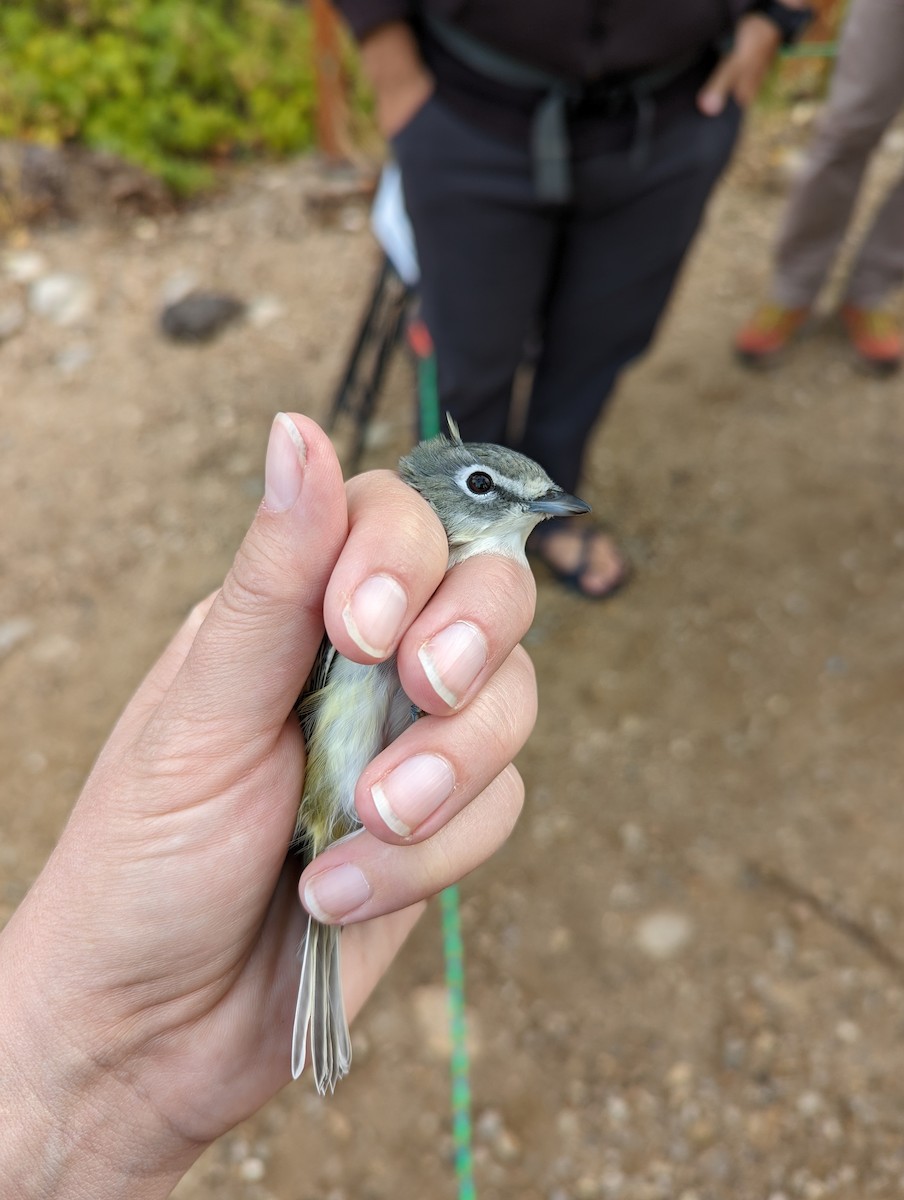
320,1009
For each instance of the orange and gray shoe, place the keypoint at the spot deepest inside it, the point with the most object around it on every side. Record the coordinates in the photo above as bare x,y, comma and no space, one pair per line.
875,334
761,341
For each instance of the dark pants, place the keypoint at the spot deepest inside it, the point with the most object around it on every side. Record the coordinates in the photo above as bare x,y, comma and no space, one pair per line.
591,278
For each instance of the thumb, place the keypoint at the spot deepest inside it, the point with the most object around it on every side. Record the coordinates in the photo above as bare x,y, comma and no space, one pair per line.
255,647
712,97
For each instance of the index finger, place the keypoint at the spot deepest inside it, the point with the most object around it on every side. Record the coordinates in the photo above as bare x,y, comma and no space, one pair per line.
393,560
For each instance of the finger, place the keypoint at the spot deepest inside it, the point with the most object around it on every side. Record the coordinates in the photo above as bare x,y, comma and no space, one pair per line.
364,877
713,96
482,609
394,558
253,651
429,774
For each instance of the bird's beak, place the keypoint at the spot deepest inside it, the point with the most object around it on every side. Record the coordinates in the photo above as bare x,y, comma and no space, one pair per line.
558,504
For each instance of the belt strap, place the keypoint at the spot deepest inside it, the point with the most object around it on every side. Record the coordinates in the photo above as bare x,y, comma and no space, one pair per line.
549,142
549,146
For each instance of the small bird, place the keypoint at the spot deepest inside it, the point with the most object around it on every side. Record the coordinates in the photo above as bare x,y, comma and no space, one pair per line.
488,500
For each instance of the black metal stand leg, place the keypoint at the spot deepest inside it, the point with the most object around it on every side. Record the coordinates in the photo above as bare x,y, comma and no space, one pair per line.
380,331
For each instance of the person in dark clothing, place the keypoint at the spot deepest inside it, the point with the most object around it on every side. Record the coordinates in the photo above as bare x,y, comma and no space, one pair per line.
556,159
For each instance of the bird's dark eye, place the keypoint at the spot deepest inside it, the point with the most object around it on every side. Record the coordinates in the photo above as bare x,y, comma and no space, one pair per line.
479,482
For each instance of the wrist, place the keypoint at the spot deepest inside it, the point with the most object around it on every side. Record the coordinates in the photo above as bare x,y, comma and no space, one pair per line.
74,1128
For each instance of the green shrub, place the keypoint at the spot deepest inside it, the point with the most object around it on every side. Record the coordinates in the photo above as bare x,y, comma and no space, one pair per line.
170,84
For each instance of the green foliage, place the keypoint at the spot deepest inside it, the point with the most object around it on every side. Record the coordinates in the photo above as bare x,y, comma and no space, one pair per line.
170,84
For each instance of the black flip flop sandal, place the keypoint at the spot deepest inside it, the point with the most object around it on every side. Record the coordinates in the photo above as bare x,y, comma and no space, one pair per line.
571,579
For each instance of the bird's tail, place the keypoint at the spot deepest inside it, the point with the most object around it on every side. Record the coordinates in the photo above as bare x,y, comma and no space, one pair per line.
321,1009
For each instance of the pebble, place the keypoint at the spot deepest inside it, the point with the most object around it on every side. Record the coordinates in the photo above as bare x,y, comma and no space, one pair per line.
34,762
13,631
847,1032
809,1104
199,316
178,286
489,1124
568,1124
612,1181
560,940
632,726
680,1075
73,358
633,838
788,165
252,1170
360,1044
506,1146
663,935
264,311
145,229
237,1149
61,298
624,895
12,318
586,1188
803,113
24,266
57,649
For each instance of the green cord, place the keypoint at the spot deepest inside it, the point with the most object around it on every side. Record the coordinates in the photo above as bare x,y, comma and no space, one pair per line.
450,909
428,393
461,1090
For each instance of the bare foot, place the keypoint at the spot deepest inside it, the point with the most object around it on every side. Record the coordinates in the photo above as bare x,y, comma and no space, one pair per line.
587,559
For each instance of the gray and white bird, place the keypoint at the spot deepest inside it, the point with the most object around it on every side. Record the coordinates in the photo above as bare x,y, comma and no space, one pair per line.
488,500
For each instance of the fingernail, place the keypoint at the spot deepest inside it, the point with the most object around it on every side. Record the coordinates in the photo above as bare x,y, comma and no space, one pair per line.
333,894
374,615
408,795
453,659
284,468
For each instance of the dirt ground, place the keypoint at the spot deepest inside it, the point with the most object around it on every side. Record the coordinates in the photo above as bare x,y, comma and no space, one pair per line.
685,972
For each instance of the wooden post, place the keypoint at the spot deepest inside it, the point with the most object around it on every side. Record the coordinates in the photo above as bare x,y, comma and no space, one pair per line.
332,106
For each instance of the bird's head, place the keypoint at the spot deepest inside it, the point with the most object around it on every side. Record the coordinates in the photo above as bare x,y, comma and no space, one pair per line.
487,497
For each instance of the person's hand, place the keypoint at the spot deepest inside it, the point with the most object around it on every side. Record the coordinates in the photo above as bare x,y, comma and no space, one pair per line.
148,980
395,70
740,73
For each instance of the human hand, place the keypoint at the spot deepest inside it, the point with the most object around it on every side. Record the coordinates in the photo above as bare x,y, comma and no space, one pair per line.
395,70
147,981
740,73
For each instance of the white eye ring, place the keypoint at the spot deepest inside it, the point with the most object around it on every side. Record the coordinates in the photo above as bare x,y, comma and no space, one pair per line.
477,482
